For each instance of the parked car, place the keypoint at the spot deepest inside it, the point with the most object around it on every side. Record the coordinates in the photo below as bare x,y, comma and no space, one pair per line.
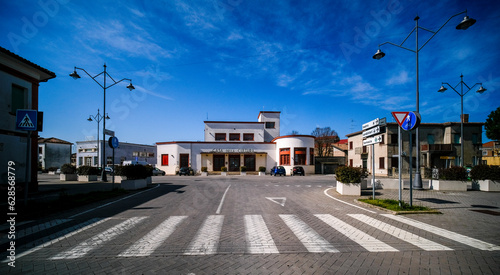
278,170
298,170
187,171
108,170
157,172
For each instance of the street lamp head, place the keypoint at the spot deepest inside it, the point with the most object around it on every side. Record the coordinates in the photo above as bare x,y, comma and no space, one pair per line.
107,117
130,86
379,54
481,90
89,119
74,75
442,89
466,23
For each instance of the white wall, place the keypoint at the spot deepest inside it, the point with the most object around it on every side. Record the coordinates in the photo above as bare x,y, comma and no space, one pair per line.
293,142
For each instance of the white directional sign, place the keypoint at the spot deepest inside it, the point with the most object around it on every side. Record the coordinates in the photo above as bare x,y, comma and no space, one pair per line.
371,132
372,140
371,124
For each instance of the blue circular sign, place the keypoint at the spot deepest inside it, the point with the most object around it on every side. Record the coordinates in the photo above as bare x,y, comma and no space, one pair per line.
412,121
113,142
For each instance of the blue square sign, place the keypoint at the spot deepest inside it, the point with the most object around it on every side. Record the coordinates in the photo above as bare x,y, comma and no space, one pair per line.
26,120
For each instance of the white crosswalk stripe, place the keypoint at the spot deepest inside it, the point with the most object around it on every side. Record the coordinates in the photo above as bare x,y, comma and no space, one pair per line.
446,233
207,238
93,243
369,243
400,234
258,236
309,238
154,239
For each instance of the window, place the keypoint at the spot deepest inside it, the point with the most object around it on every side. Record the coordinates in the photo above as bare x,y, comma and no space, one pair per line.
351,163
430,139
300,155
381,163
456,138
351,146
311,156
220,137
19,99
96,161
475,138
248,137
80,161
234,137
285,156
365,149
394,139
164,159
270,125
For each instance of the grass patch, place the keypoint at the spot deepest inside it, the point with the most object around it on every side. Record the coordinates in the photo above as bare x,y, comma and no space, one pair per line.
394,205
36,209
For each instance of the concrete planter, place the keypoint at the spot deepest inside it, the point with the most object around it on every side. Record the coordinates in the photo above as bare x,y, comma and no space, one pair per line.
223,173
449,185
262,173
87,178
149,180
349,189
388,183
119,179
243,173
52,172
204,174
68,177
133,184
489,185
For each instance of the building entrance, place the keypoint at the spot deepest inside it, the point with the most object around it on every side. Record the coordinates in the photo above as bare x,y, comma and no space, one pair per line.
234,163
218,162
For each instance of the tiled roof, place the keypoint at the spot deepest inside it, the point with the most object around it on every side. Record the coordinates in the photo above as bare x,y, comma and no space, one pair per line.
29,63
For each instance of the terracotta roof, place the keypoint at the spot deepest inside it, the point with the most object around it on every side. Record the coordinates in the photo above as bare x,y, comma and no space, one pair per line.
53,140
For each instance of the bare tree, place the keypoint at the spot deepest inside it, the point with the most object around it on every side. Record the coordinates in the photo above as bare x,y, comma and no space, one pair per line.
325,137
294,132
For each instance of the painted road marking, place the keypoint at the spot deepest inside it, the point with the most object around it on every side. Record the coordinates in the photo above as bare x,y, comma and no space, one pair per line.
368,242
222,201
277,199
326,193
406,236
309,238
258,236
446,233
93,243
207,237
36,228
154,239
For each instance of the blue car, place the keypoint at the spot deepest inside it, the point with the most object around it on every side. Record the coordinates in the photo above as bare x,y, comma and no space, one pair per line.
278,170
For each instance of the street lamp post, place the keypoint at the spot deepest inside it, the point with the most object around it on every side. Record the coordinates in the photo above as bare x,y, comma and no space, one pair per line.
461,94
97,118
75,75
465,24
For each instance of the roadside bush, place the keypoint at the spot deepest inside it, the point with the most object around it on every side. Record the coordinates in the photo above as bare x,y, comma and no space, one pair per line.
348,174
262,169
485,172
453,173
204,169
68,169
243,168
118,170
134,172
223,169
149,170
52,169
87,170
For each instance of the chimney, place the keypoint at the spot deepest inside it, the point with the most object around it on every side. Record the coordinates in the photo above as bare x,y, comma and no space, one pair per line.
465,118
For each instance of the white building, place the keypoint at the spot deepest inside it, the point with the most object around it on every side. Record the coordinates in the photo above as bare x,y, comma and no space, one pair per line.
53,152
88,154
233,144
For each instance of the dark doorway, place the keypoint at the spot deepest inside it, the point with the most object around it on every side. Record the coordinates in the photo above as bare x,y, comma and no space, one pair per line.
234,163
250,162
218,162
184,162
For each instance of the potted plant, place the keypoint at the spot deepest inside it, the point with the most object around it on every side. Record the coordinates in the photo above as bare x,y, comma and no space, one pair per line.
349,180
223,171
487,177
119,176
68,173
204,171
136,176
87,173
451,179
262,171
243,170
52,170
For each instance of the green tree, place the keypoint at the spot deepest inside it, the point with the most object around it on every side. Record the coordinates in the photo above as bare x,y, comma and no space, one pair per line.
492,125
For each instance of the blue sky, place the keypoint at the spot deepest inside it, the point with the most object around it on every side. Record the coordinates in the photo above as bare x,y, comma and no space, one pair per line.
192,61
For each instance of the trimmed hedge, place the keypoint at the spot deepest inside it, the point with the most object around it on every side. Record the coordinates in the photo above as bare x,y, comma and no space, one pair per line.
262,169
68,169
453,173
87,170
485,172
134,172
243,168
348,174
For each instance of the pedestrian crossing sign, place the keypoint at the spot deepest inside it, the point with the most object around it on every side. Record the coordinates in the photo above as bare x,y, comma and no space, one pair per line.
26,120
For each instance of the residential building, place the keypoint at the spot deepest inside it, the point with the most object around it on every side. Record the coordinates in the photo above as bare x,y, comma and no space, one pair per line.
491,153
336,156
233,144
53,152
439,144
19,82
87,153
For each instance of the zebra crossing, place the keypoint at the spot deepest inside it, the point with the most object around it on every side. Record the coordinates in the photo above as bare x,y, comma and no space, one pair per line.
261,237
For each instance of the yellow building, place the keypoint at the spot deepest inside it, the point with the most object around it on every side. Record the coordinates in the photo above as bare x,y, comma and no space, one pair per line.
491,153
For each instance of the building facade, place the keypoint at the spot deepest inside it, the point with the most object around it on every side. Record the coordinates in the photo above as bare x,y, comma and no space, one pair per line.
439,147
53,152
88,153
233,144
491,153
19,82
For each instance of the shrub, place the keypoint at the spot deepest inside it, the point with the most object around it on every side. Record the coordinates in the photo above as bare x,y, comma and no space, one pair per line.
204,169
149,170
118,170
453,173
87,170
348,174
262,169
223,169
68,169
134,172
52,169
243,168
485,172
